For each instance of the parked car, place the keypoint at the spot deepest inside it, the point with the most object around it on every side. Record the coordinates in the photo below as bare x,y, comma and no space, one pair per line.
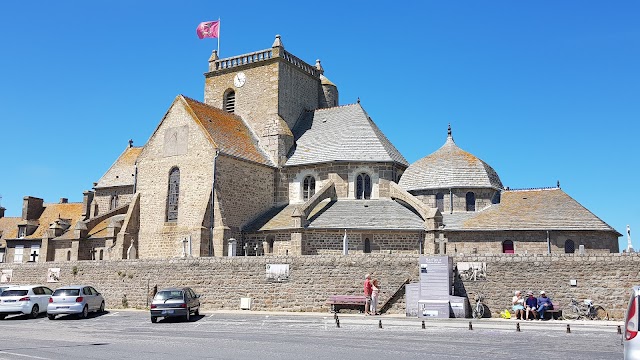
76,299
30,299
175,302
631,339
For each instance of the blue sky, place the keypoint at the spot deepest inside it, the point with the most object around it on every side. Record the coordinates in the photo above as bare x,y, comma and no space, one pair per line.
542,91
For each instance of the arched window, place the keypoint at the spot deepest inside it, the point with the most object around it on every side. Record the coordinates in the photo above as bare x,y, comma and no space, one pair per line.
569,247
173,195
367,246
114,202
471,201
270,242
230,101
101,254
507,247
440,201
68,255
308,187
363,186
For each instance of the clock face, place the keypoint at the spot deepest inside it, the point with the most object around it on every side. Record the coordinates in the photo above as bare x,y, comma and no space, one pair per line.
239,79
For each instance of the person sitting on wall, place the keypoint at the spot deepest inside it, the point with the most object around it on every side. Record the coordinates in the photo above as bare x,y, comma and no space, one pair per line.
531,306
544,304
518,305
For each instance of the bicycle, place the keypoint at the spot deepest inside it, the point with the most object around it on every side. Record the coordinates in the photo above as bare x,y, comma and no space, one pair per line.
587,310
478,309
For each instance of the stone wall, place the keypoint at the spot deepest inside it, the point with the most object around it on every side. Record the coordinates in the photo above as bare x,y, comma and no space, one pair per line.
103,196
606,279
529,242
484,198
343,174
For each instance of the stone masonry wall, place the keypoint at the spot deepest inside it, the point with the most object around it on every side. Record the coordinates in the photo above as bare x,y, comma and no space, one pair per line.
606,279
529,242
103,198
484,198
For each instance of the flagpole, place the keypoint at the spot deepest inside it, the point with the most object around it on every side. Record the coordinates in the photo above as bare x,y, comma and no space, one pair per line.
219,23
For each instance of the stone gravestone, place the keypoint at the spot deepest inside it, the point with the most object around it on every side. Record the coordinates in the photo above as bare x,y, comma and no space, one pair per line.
435,286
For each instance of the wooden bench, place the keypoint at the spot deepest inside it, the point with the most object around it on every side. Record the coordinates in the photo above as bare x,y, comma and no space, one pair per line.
338,302
555,313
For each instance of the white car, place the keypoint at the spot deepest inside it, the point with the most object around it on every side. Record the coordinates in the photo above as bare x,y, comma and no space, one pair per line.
30,299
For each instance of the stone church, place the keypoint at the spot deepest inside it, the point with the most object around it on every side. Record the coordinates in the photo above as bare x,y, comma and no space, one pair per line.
271,163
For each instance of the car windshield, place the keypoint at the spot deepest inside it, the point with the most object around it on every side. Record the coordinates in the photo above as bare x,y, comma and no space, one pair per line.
66,292
166,295
14,293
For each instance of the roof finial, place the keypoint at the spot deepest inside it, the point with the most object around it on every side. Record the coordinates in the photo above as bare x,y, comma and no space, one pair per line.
358,100
558,184
277,42
130,142
449,131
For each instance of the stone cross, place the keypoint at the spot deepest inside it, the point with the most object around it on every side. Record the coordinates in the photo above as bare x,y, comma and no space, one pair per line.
184,247
93,253
34,256
246,249
441,244
255,248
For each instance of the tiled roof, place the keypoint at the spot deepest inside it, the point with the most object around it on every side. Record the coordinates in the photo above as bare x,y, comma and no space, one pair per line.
122,172
449,167
539,209
70,211
228,132
343,133
8,229
278,217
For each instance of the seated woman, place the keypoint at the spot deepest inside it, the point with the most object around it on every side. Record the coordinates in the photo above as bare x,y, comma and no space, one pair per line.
518,305
530,305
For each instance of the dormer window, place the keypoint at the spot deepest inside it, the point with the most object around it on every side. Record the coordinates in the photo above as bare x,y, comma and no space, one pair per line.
230,101
363,186
22,231
308,187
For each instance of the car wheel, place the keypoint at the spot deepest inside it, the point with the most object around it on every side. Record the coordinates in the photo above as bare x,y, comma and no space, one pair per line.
85,312
188,316
101,310
154,319
51,316
35,310
197,312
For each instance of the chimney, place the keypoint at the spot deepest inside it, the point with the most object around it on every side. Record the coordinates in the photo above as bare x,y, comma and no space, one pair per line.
32,208
64,201
2,212
87,198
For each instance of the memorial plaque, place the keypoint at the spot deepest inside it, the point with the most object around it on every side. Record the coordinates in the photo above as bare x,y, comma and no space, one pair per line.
277,272
436,309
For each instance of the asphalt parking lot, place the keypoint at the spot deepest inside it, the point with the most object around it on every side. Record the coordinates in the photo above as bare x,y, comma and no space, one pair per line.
259,335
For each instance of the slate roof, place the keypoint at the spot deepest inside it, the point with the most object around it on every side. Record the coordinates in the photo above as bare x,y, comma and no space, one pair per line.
536,209
342,133
228,132
122,172
383,214
449,167
8,229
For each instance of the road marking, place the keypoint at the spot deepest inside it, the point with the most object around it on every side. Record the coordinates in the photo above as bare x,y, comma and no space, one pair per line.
23,355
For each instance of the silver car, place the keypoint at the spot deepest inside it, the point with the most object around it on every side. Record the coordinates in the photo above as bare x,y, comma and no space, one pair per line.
76,299
175,302
31,300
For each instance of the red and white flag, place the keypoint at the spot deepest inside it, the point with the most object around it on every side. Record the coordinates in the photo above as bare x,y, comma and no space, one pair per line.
208,29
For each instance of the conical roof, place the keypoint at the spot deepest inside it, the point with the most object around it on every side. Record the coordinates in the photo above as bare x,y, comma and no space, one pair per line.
449,167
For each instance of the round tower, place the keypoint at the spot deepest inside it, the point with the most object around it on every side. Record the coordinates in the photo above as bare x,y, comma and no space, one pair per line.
329,95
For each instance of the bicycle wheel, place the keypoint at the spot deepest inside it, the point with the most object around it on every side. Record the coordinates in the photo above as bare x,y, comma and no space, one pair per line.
571,313
599,313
